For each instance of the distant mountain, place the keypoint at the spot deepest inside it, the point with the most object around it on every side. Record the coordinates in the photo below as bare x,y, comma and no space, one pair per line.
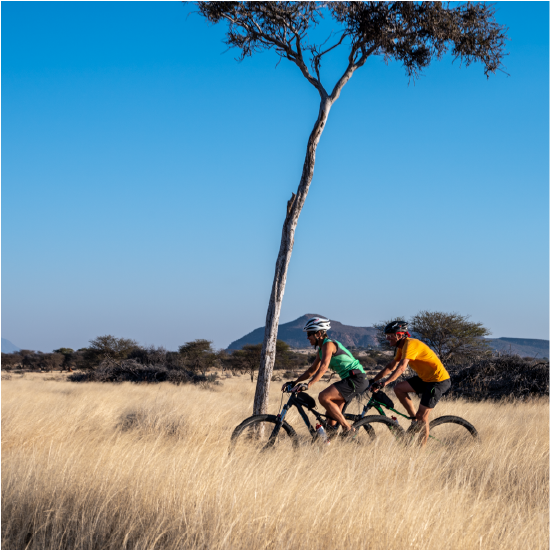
292,333
8,347
524,347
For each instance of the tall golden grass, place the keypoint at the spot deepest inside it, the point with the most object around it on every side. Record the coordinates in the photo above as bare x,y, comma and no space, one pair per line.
92,466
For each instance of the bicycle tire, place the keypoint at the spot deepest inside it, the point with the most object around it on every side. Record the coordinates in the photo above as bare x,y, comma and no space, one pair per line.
366,423
247,427
452,430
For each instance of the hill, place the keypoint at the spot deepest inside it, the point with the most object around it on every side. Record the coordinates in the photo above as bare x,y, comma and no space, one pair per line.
524,347
363,337
292,333
8,347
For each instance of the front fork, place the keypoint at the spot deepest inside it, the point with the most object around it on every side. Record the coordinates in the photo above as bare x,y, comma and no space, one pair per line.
277,428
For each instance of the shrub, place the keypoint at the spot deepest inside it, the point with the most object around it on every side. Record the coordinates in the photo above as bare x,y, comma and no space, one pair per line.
151,422
499,377
102,347
132,371
199,356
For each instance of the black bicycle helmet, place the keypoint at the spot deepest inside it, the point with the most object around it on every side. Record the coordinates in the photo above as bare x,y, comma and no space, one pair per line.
396,326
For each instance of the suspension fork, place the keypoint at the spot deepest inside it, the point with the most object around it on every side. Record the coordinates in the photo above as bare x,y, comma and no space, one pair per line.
280,419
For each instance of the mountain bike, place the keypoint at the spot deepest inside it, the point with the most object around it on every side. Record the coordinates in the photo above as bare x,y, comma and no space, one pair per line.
263,431
446,430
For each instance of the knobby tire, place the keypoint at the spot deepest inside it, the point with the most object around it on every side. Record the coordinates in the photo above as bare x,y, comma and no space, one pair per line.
367,422
469,429
271,421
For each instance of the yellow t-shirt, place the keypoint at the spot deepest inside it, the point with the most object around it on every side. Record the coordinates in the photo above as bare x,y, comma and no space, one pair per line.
422,360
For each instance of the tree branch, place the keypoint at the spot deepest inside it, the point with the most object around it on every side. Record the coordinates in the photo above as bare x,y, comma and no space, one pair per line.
350,69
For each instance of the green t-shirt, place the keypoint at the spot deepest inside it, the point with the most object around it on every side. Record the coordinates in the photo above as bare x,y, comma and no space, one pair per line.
342,361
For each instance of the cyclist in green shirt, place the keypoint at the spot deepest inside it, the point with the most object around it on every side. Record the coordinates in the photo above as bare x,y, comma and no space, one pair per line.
332,354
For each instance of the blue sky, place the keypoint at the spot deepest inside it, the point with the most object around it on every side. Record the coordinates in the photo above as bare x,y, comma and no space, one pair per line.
145,175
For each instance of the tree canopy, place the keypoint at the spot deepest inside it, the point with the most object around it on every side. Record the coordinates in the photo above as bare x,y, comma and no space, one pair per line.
108,346
412,33
450,335
198,355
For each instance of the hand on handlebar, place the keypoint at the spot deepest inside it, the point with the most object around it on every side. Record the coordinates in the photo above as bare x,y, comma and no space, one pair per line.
376,386
287,386
291,387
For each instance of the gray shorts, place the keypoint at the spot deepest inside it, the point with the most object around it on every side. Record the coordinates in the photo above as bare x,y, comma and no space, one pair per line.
352,386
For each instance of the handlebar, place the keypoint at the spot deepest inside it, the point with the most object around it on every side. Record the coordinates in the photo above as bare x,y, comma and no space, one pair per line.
375,386
289,388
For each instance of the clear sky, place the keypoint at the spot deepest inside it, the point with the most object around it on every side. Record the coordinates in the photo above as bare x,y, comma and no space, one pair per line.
145,175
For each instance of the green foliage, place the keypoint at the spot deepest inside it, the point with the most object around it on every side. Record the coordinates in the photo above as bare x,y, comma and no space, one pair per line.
11,361
199,356
107,346
247,359
450,335
32,360
64,351
70,358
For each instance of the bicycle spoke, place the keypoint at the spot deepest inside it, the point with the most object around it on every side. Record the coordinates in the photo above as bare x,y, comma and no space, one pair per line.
259,434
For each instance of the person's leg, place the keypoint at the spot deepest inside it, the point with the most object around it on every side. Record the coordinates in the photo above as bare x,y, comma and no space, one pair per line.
402,390
333,402
422,416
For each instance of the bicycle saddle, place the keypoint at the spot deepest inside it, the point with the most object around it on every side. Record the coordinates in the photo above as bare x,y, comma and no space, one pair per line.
304,399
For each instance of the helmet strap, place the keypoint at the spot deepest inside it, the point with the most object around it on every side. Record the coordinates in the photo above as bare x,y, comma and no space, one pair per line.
318,339
402,339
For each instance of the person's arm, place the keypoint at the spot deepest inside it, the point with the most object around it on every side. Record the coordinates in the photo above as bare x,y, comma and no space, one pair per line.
401,366
307,373
388,369
328,349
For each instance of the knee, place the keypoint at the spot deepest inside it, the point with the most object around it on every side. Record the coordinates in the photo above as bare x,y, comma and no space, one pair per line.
398,390
323,398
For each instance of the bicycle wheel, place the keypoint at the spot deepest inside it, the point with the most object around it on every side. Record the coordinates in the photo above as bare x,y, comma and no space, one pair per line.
259,433
366,433
452,430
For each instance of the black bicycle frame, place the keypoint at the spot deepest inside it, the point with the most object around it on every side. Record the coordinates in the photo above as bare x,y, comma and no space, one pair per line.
322,418
294,402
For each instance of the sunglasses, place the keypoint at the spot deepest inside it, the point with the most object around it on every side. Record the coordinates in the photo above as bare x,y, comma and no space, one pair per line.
310,334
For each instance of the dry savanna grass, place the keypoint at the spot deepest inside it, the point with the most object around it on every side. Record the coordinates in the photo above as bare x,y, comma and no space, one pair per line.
97,466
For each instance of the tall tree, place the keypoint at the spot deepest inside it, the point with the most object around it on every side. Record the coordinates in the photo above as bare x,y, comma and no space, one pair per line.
413,33
451,335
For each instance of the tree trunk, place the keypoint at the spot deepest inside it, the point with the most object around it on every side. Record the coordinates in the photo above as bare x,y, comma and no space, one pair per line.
294,207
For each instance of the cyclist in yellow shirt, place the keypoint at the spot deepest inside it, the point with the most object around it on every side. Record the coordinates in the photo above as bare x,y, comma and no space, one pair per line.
432,379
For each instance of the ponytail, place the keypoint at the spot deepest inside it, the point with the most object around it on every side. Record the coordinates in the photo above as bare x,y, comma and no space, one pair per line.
322,337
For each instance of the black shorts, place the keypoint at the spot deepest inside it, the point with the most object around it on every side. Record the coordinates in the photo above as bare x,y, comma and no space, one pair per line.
431,391
352,386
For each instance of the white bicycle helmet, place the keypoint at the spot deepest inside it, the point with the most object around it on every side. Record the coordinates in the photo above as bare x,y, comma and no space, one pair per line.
317,323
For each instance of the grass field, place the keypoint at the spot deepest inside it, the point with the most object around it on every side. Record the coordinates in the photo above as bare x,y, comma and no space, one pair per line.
91,466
